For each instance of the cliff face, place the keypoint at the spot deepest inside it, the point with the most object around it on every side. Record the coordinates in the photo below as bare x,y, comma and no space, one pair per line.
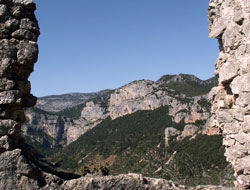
230,24
61,129
148,95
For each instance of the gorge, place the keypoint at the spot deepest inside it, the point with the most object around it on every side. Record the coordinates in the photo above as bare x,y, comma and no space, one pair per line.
230,23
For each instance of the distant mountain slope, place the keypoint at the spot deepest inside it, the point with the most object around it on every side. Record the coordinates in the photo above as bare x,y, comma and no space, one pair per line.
67,125
56,103
136,143
189,85
153,128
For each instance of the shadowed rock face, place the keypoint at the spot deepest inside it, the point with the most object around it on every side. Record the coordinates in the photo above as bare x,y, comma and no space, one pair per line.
18,53
230,24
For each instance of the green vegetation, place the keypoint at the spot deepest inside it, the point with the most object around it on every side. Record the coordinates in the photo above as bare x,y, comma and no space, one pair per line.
42,143
166,77
189,85
198,161
189,88
141,130
135,143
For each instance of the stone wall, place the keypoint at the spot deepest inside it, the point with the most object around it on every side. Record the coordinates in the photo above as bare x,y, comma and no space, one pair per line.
18,53
230,24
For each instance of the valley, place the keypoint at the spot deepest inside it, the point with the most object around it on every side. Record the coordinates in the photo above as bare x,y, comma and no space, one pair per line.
159,129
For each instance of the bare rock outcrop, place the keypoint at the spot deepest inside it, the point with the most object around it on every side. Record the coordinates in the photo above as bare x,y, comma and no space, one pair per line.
133,97
129,181
149,95
170,132
230,24
62,130
189,130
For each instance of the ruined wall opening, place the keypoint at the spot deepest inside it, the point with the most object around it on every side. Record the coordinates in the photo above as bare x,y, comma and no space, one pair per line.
18,53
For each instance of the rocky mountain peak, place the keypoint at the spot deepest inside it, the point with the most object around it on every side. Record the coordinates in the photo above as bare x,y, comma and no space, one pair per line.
179,78
130,98
186,78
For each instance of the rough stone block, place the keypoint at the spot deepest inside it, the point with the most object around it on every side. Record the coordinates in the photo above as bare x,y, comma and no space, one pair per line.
3,10
7,49
24,34
29,4
27,52
243,99
241,84
12,24
9,127
6,143
9,97
27,24
231,128
228,71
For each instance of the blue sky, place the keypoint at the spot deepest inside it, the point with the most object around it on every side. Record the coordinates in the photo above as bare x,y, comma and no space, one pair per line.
91,45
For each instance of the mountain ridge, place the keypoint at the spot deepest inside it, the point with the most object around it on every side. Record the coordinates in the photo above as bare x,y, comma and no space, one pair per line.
140,104
83,97
137,95
56,103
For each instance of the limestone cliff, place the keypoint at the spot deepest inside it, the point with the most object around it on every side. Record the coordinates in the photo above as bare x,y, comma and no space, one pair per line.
135,96
230,24
59,129
148,95
62,130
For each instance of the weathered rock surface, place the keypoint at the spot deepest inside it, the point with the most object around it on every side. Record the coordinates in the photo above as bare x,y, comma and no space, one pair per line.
171,132
18,53
135,96
189,130
17,57
148,95
130,181
62,130
229,23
